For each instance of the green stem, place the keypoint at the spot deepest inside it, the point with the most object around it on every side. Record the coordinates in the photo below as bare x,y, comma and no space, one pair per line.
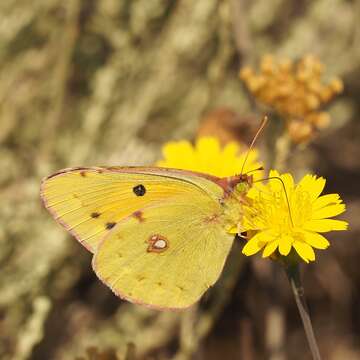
293,274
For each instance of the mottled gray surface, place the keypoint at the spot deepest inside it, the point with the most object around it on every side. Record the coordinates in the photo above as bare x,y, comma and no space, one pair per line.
88,82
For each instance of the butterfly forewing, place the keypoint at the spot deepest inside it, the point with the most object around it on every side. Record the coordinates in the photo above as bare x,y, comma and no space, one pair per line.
89,202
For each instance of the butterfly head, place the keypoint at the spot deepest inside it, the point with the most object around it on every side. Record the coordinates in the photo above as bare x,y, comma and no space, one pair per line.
244,183
235,189
241,183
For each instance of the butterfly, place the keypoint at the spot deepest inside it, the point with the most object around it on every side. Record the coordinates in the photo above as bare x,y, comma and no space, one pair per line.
159,236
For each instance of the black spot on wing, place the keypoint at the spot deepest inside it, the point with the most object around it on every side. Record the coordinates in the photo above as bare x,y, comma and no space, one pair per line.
139,190
95,215
109,225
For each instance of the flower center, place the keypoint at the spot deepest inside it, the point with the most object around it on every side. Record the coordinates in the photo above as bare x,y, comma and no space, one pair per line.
273,210
301,207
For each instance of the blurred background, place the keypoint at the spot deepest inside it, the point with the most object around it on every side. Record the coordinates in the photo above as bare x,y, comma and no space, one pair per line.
108,83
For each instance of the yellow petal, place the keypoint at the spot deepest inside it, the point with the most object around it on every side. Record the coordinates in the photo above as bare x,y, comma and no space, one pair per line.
207,146
325,225
285,243
178,154
328,211
275,185
318,188
257,242
304,250
207,156
273,173
257,190
288,182
312,185
316,240
229,159
306,182
174,149
326,200
232,229
230,150
252,247
270,248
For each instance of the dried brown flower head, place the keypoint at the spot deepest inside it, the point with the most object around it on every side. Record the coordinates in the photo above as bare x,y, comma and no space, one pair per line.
295,91
227,125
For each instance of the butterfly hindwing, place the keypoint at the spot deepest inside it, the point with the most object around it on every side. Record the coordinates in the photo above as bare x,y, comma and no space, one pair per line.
166,257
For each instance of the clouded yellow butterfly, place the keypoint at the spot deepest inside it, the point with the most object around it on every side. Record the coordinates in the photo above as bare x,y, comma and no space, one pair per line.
159,236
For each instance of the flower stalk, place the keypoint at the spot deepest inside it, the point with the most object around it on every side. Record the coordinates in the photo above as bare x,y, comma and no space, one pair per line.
293,274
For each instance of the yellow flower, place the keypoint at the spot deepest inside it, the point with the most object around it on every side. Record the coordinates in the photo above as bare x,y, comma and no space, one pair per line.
207,156
297,224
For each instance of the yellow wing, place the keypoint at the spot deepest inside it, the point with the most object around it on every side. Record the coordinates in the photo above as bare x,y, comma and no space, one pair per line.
168,256
89,202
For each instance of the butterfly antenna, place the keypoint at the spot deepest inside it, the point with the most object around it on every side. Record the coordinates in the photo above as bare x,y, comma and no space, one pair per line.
260,168
286,195
263,123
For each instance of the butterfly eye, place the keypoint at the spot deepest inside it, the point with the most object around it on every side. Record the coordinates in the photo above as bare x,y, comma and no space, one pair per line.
139,190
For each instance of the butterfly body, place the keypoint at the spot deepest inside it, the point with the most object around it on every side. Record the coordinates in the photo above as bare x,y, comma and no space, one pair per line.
159,236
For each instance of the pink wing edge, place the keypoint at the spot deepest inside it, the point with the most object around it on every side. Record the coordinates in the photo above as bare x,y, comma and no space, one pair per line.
54,214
